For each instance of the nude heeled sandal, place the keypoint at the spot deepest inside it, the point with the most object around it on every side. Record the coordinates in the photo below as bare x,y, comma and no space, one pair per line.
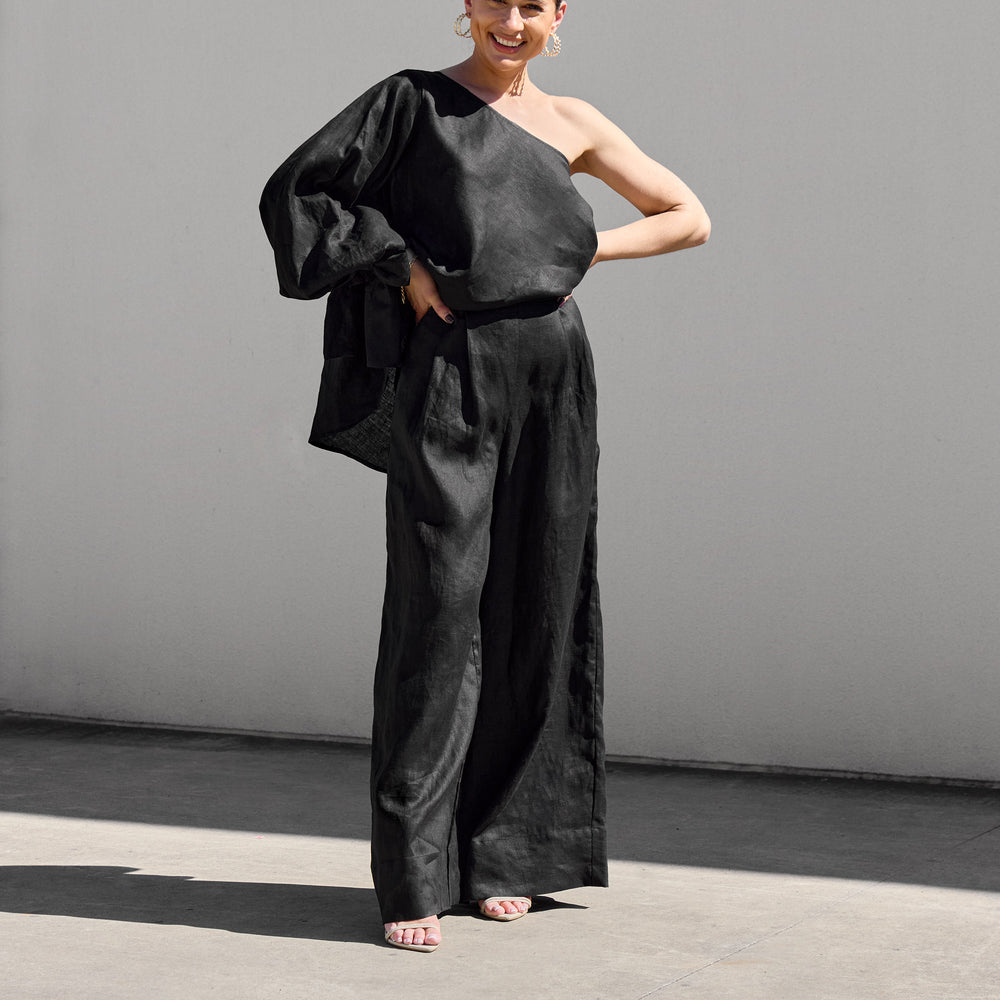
503,915
403,925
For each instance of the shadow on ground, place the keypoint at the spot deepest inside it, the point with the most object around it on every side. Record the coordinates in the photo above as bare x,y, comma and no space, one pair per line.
803,826
322,913
314,912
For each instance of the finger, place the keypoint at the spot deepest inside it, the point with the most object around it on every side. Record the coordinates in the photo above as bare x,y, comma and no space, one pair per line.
443,311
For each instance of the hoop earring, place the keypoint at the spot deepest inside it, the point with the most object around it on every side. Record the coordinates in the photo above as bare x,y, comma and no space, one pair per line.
556,46
468,31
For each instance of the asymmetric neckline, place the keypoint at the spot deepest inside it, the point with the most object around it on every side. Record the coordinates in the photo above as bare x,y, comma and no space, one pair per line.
415,164
510,121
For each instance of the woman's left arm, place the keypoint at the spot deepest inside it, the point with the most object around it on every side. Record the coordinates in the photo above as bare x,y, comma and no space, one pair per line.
674,217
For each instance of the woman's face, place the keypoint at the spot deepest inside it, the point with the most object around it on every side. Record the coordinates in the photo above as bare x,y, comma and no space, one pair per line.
511,33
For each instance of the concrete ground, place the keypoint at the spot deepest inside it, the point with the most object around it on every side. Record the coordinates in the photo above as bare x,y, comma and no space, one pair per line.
151,865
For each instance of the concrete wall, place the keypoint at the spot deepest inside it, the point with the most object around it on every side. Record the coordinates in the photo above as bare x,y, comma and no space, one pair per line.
800,545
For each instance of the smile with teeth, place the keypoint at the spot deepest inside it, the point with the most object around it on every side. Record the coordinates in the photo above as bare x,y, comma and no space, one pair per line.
505,43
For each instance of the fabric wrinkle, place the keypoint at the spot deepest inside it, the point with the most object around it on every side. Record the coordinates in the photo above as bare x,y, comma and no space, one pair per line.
487,743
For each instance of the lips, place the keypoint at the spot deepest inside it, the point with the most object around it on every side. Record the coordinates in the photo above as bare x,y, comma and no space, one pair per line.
503,45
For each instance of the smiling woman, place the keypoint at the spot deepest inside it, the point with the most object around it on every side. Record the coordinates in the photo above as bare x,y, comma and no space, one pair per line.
511,28
457,362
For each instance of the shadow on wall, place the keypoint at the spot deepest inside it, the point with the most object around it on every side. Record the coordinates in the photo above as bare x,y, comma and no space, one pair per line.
811,827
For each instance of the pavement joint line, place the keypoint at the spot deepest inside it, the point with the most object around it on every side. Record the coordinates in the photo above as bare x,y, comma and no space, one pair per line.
969,840
915,867
777,932
859,891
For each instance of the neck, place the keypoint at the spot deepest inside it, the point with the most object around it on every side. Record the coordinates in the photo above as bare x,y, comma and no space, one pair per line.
482,76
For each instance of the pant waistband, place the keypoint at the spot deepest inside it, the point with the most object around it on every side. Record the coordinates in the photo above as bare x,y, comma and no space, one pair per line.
531,309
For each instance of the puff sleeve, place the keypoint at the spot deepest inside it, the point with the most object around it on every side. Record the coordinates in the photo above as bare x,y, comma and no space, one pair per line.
324,207
327,214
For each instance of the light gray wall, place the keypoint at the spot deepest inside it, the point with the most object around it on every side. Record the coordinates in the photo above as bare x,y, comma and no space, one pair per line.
800,467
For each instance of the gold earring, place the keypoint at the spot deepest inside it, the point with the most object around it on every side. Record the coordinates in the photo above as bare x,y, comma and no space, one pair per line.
468,31
556,46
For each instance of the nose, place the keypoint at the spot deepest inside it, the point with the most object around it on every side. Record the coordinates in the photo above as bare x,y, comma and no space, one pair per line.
513,19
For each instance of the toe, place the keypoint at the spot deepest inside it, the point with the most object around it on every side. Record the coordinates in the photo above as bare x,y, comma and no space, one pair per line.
503,905
429,935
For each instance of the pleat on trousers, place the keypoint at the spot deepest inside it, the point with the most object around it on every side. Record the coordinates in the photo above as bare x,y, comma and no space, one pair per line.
488,751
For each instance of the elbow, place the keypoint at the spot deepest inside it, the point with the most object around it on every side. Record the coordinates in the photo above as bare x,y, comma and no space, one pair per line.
701,231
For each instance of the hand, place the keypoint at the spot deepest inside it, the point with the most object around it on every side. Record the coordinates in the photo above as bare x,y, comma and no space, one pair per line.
422,294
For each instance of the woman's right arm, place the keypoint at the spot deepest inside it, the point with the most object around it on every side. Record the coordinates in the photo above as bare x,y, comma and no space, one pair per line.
313,206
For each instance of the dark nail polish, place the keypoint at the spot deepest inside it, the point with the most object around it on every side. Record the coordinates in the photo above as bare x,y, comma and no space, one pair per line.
450,318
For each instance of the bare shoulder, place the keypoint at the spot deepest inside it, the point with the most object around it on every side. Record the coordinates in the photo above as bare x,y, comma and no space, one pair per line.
579,113
594,128
574,127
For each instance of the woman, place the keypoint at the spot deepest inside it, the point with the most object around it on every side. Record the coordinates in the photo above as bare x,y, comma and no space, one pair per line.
438,213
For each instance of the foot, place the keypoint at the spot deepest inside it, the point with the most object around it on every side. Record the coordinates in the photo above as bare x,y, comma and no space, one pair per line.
505,907
423,938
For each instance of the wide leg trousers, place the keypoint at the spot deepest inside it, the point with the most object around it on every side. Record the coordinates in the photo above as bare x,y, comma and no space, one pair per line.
488,750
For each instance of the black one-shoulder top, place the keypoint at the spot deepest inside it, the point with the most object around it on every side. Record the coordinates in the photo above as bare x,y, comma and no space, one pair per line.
416,164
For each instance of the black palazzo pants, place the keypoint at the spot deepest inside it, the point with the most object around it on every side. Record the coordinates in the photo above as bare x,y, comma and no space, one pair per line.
487,759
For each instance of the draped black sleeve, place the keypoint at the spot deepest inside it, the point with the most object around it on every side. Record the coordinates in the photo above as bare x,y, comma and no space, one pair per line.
322,209
324,213
319,209
416,165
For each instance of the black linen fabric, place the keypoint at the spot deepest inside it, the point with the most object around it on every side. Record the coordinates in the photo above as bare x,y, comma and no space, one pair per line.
418,161
488,747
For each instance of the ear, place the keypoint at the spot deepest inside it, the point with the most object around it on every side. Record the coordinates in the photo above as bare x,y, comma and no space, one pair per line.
468,7
560,14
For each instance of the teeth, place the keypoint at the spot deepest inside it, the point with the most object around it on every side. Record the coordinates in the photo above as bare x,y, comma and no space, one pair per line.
506,44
